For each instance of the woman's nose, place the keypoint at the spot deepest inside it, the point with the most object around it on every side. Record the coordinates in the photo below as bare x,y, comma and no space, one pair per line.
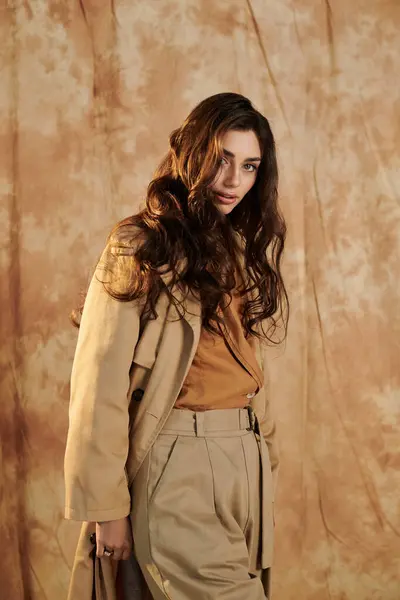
232,178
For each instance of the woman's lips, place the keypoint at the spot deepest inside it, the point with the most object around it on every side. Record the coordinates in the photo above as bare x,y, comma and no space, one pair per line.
226,199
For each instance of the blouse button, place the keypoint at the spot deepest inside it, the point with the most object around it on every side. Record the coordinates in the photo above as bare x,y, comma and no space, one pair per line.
249,396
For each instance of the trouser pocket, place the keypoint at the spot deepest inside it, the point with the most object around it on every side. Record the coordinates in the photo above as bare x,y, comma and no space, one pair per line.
161,460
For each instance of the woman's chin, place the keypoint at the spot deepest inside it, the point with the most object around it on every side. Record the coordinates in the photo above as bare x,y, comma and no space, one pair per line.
225,209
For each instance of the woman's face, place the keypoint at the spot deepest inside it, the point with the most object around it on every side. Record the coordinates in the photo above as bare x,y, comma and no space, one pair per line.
239,165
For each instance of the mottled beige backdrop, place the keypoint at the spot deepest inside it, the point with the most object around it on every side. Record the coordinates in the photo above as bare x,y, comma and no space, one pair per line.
89,92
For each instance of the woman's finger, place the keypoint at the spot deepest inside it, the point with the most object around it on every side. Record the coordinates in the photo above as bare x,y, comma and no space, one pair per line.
99,549
116,555
126,553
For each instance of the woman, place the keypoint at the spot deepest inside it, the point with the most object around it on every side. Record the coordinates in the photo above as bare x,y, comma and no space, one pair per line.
171,437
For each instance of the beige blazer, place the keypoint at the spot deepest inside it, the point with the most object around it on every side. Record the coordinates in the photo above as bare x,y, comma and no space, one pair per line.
112,424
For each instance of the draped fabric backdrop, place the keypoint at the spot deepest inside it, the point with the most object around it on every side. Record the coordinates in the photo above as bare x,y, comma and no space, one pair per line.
89,92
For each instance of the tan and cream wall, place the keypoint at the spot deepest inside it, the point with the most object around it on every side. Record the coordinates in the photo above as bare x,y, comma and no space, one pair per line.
89,91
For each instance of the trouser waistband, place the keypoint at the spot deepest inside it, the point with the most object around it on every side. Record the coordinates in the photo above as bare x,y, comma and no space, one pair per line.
209,422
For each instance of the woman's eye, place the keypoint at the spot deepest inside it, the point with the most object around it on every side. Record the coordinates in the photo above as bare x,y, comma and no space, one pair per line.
251,169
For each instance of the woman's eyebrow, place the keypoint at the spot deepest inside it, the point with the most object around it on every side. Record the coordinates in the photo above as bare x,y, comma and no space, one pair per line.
231,155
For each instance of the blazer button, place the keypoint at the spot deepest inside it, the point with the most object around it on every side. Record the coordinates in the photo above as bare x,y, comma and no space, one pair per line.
249,396
137,395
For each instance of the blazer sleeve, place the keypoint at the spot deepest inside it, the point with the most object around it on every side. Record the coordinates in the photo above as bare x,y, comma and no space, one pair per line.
268,427
96,486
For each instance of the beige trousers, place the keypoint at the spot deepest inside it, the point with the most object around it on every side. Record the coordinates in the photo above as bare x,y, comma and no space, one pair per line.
199,502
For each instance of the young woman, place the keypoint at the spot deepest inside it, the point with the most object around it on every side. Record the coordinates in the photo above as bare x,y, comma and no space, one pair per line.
171,456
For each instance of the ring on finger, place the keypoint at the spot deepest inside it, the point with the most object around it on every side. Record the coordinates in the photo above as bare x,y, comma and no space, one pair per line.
108,552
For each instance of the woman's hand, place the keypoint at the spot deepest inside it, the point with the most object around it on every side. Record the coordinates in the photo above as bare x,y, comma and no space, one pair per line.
115,536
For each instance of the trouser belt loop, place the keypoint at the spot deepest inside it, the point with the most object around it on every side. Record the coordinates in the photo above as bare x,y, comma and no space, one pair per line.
252,418
253,423
199,423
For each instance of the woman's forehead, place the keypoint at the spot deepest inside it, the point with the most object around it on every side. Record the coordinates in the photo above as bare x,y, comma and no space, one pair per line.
241,144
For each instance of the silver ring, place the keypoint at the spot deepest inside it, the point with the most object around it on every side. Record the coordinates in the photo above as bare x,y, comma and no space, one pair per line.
108,552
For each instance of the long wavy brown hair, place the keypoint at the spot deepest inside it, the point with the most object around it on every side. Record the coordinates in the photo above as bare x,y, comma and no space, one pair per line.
180,232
